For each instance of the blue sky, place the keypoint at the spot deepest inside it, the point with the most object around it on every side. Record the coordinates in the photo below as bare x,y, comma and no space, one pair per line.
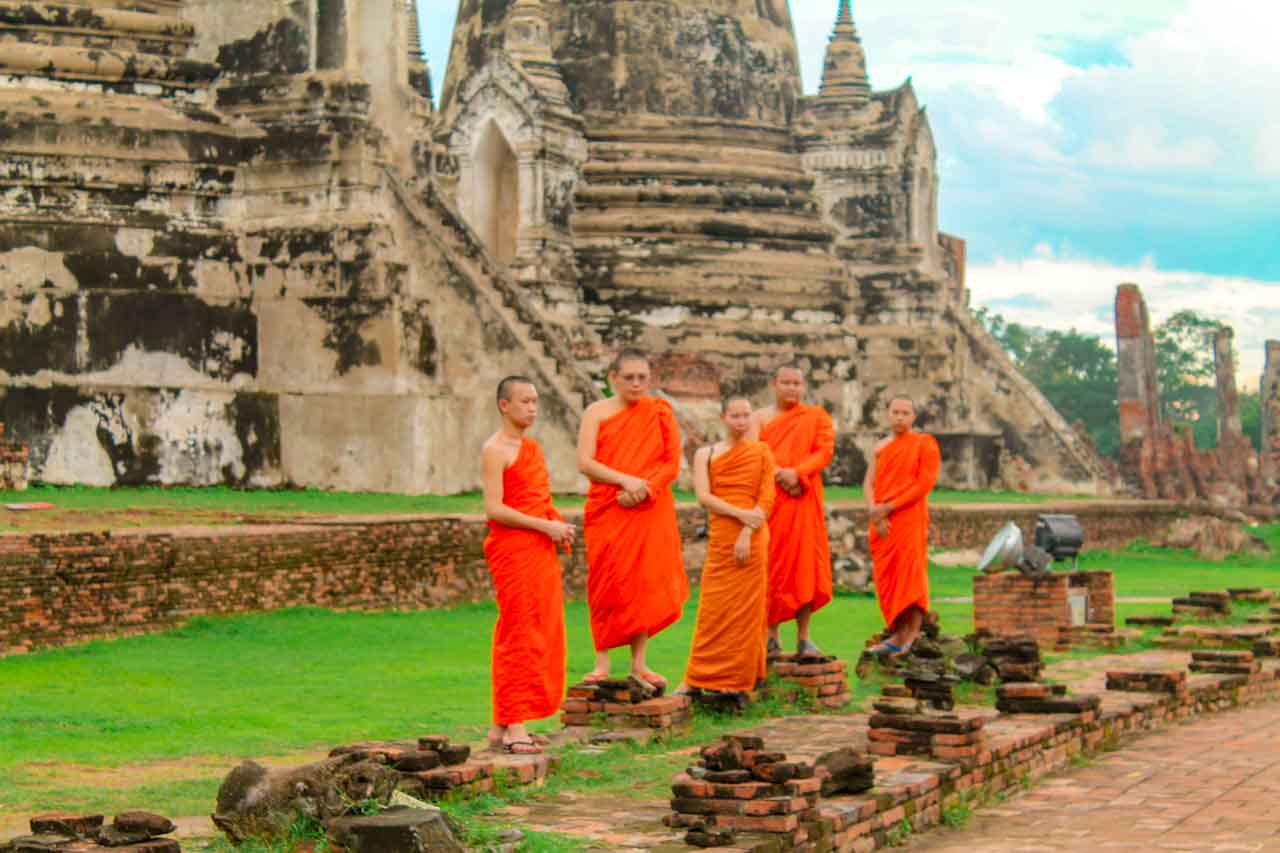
1084,144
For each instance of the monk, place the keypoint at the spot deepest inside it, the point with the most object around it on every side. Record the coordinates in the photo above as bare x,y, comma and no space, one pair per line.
903,470
734,480
524,531
802,439
629,448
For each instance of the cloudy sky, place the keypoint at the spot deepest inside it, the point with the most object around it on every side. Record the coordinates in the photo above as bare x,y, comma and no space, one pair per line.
1085,144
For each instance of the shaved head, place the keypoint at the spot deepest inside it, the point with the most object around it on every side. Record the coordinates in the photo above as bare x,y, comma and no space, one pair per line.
908,400
628,354
790,365
508,385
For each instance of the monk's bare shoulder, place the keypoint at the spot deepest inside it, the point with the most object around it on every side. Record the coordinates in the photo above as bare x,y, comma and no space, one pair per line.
882,444
497,449
601,409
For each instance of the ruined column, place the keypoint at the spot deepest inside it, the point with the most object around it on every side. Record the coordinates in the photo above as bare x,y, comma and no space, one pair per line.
1271,423
1224,365
1137,390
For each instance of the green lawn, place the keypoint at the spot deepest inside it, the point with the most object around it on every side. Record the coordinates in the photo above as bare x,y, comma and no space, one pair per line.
266,501
194,700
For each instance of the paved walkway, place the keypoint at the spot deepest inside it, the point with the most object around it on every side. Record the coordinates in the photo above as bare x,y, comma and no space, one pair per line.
1211,785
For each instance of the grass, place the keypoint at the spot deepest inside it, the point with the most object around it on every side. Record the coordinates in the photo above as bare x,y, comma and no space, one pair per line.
159,719
78,507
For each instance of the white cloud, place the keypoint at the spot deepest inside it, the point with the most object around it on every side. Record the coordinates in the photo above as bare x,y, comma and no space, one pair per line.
1080,294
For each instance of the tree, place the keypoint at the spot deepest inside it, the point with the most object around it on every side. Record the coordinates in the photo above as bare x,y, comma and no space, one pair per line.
1185,370
1076,372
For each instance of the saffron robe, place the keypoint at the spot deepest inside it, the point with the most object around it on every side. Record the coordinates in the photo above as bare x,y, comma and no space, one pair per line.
528,664
802,438
636,583
906,470
728,650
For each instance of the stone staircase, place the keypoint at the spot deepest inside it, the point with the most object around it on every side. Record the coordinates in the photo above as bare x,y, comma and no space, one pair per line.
497,297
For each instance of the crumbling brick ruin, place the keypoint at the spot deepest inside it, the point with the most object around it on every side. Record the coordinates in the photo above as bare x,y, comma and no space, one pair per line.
1271,423
239,245
1156,462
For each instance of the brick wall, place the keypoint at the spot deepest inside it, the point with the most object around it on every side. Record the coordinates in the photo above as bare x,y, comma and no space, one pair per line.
1010,604
69,587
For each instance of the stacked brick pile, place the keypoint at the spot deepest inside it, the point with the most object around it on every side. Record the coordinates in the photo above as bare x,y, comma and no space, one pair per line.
822,678
1212,636
932,688
1149,621
14,464
739,787
129,832
431,767
1036,698
626,704
1013,658
1224,663
1203,605
1173,682
1039,605
1266,647
1251,593
1097,636
1271,617
903,726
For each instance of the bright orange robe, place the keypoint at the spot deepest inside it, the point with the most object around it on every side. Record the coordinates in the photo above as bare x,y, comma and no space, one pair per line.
528,640
906,470
799,554
636,583
728,638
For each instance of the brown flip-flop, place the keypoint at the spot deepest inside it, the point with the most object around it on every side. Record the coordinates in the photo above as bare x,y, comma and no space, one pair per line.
652,678
594,677
521,747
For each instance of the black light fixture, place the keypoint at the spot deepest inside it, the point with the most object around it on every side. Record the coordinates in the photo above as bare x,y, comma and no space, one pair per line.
1060,536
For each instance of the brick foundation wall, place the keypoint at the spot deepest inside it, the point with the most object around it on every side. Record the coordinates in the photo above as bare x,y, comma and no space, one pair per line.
1012,604
70,587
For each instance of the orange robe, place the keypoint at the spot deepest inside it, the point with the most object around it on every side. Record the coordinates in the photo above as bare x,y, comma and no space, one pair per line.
728,638
528,640
799,554
636,584
906,470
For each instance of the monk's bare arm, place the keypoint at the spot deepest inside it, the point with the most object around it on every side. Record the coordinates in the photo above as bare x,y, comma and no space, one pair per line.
758,420
702,488
869,481
595,470
493,462
824,448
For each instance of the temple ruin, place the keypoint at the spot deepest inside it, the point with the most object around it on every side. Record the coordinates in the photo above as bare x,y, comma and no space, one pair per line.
239,244
1155,460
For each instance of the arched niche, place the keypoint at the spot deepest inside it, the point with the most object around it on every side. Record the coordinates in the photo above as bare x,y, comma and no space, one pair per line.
496,193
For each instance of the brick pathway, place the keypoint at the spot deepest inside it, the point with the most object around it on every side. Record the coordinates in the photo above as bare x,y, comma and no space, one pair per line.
1211,785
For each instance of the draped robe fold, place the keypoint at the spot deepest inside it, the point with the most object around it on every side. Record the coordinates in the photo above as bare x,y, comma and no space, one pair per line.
802,438
528,664
906,470
728,637
636,582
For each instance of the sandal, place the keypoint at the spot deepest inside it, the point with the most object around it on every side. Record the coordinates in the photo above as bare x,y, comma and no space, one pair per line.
772,648
521,747
886,649
594,677
808,648
651,678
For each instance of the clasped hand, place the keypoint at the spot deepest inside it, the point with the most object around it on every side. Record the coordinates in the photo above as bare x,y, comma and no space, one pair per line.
742,546
634,491
561,533
789,481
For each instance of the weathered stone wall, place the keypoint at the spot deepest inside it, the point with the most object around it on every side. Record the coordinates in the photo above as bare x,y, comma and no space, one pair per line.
14,464
70,587
215,267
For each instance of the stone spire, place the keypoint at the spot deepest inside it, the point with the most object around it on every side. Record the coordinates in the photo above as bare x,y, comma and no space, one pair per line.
419,72
844,72
528,39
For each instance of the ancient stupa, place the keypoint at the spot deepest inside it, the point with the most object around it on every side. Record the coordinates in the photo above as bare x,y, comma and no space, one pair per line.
241,244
